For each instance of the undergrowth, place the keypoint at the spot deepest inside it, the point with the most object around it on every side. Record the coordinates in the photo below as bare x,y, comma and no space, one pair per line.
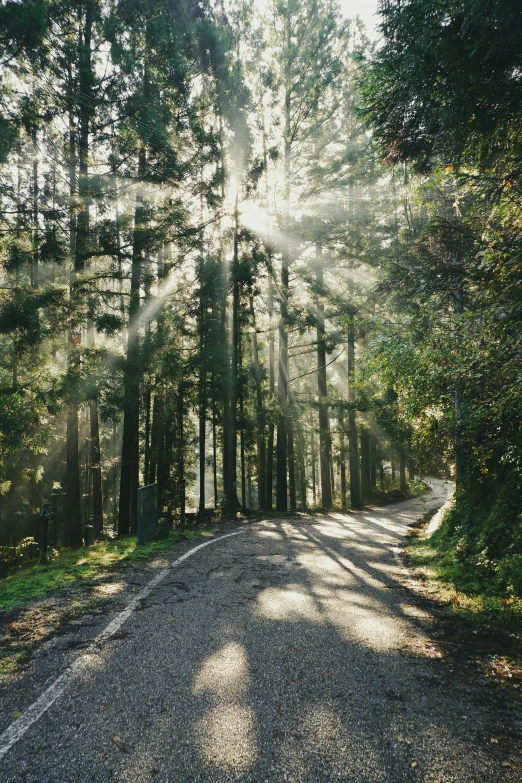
474,560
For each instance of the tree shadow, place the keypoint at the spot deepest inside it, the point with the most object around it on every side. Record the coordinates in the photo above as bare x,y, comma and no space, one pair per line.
293,653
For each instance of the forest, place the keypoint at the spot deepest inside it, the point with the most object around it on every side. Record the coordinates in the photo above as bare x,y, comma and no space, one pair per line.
256,257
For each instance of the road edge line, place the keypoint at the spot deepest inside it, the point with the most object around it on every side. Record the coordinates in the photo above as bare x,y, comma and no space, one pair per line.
34,712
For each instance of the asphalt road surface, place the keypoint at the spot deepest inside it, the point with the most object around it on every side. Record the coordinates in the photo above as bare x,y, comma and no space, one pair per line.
290,652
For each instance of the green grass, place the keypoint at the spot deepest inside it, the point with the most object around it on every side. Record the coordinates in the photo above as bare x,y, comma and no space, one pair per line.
9,662
452,580
70,566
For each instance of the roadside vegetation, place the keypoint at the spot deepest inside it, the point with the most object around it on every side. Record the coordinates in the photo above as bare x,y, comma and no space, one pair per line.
37,600
483,598
454,285
67,567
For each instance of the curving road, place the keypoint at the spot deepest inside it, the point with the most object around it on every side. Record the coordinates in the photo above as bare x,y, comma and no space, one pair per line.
290,652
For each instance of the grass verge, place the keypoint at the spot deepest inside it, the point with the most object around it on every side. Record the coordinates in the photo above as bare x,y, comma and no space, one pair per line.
478,608
69,566
37,601
490,623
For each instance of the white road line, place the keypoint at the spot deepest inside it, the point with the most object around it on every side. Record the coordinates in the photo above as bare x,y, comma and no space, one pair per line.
17,729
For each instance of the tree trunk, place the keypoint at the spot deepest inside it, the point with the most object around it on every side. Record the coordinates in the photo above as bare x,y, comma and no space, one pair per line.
95,455
342,458
224,332
353,455
324,424
302,468
73,536
114,478
314,478
203,402
242,426
36,496
366,481
214,447
243,463
202,438
181,454
231,489
271,389
162,465
403,486
129,478
373,460
250,503
87,490
291,464
153,461
35,249
226,397
147,439
282,389
86,78
260,417
36,484
97,496
282,425
82,249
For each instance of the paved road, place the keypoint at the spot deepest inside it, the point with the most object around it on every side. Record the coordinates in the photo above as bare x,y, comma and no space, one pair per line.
291,652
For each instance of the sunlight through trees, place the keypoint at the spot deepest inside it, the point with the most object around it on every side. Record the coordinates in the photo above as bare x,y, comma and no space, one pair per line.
254,257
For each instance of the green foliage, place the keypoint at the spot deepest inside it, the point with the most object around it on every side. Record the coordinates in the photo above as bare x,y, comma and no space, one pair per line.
16,414
7,137
19,556
475,602
443,92
23,26
481,538
446,83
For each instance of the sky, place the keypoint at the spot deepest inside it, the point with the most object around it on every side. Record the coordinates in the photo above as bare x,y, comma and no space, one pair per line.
367,10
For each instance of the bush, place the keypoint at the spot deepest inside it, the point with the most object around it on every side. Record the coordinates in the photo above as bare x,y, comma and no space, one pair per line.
163,530
24,553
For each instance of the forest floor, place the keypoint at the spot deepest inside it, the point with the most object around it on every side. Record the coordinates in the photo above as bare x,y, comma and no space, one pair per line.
298,649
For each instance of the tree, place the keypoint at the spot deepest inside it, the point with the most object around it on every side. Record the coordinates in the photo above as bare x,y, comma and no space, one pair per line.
441,61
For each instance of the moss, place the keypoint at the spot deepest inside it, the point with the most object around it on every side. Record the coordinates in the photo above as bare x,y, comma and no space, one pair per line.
11,660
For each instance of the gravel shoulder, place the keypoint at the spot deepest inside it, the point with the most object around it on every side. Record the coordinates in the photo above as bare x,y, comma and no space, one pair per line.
292,652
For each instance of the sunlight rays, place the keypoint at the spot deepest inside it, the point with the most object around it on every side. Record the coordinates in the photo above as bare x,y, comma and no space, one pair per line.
256,219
